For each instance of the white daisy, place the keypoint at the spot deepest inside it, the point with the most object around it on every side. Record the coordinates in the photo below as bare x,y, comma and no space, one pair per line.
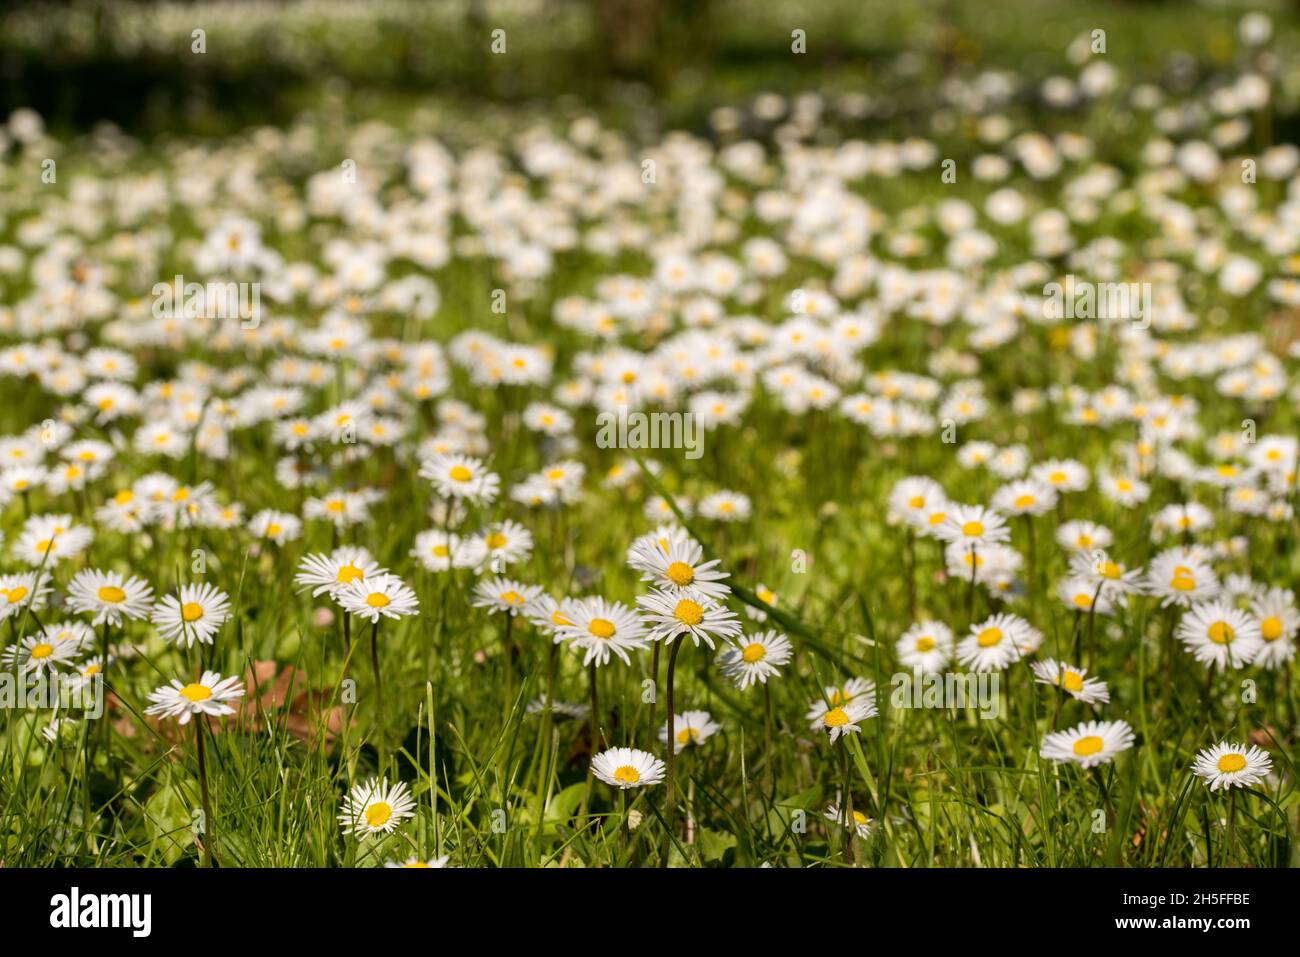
925,647
687,611
1220,635
1088,744
690,728
195,616
109,596
625,768
375,807
382,595
1071,678
1228,765
208,695
755,658
598,627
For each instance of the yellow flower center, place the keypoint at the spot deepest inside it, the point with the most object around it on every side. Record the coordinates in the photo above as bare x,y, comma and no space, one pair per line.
349,573
835,718
680,573
196,692
191,611
1221,633
459,473
16,594
601,628
989,637
496,540
512,598
1072,681
1270,629
925,643
627,774
1183,579
1056,478
441,551
688,612
111,594
973,529
753,652
916,501
377,599
378,814
1087,746
1024,501
273,529
42,650
1231,762
559,619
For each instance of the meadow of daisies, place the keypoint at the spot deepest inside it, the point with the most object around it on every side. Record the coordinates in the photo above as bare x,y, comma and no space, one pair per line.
348,577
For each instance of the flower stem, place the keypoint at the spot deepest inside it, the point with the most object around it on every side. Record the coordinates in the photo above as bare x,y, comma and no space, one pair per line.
209,823
379,694
671,756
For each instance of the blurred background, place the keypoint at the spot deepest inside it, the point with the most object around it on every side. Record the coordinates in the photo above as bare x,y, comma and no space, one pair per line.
662,62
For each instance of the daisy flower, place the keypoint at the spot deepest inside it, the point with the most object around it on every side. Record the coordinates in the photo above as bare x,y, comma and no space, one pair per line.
421,862
925,647
1082,536
625,768
504,595
549,615
1061,475
279,527
109,596
679,565
1178,577
330,573
440,551
1220,635
911,497
22,590
755,658
208,695
46,540
860,824
598,627
973,526
1275,612
506,543
375,807
382,595
460,477
687,611
690,728
994,643
1228,765
1098,568
1124,490
1088,744
832,696
1085,595
725,507
194,616
840,719
1072,679
38,654
1024,497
